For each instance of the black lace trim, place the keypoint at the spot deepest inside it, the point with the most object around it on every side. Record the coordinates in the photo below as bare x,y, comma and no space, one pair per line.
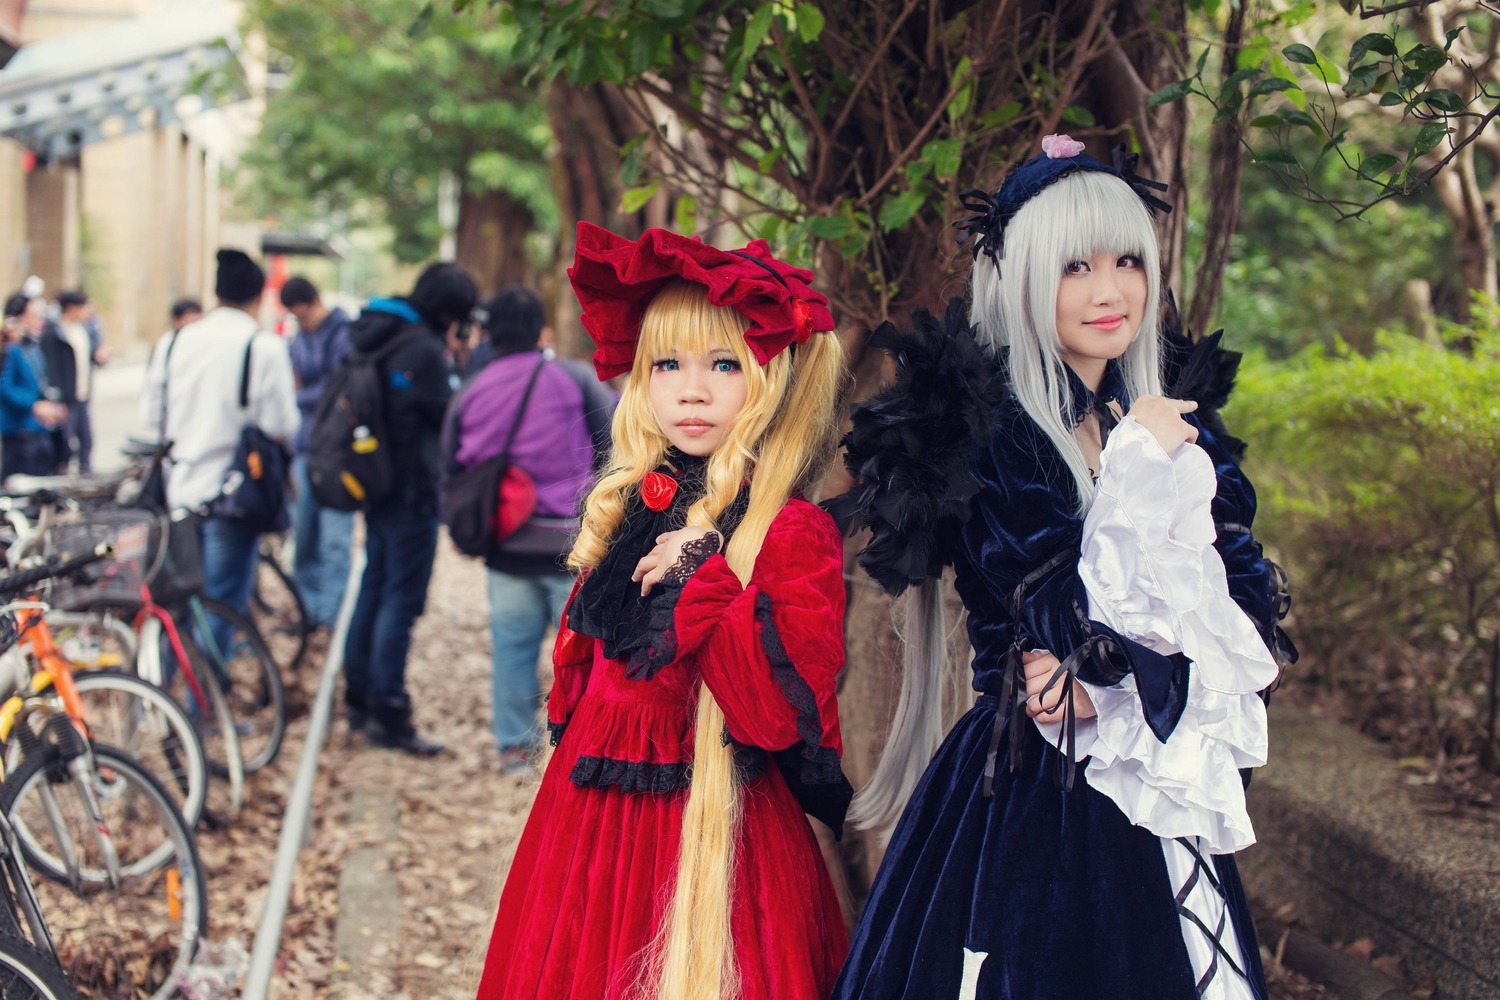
642,776
812,771
555,732
694,554
657,646
794,687
630,776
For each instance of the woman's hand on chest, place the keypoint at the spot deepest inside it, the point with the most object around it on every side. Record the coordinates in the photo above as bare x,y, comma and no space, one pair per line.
677,553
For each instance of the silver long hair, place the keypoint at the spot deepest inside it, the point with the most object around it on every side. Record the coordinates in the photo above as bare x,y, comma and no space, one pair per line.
1082,215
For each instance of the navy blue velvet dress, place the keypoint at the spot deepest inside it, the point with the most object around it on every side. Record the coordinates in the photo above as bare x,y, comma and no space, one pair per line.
1065,897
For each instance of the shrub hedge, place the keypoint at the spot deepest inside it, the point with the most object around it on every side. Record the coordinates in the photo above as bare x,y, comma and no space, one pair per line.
1379,479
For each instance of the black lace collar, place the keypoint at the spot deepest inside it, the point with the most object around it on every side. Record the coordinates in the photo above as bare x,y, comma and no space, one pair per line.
609,606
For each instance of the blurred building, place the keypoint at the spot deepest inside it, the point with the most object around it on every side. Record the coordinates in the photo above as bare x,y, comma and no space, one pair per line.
115,119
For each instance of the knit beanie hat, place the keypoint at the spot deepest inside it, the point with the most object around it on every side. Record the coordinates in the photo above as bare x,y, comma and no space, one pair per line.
240,279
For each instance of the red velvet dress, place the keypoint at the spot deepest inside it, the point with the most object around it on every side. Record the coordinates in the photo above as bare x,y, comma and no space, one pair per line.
594,871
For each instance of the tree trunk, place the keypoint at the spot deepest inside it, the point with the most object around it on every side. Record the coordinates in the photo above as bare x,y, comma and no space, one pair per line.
491,239
589,126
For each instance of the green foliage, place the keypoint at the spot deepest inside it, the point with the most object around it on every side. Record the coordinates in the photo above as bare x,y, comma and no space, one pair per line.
1298,276
841,126
1379,479
381,98
1320,110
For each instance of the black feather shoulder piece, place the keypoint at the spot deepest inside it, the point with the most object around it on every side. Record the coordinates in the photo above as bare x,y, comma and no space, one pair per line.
910,447
1200,370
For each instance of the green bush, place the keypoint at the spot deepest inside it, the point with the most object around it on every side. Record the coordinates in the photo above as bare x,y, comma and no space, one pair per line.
1379,479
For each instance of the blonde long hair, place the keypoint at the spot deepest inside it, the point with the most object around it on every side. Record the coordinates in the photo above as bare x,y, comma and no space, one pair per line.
779,442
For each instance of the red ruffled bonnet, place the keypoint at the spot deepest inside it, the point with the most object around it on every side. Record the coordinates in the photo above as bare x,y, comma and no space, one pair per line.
615,278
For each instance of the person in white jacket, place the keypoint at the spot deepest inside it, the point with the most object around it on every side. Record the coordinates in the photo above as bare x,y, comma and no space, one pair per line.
192,399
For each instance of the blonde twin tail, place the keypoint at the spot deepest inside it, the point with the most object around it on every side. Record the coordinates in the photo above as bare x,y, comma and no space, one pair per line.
779,442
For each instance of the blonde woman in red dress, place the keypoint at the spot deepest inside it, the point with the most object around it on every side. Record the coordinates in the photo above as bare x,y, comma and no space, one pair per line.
693,711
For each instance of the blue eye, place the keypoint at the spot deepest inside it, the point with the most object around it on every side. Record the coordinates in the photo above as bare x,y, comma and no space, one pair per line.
664,365
726,365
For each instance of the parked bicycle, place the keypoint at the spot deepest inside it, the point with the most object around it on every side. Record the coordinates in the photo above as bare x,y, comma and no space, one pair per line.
122,883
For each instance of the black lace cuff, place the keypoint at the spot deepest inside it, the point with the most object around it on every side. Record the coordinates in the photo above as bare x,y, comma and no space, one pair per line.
555,732
694,554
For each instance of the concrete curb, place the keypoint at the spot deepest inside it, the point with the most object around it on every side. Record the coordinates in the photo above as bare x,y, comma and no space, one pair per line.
1344,841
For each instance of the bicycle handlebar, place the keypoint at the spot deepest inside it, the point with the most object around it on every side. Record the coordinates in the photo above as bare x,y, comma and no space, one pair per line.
23,580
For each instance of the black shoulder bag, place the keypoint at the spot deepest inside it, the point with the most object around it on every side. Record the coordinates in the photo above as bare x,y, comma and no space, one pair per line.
255,491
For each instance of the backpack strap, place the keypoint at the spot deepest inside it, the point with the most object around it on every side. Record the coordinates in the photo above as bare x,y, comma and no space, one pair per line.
245,374
510,438
166,372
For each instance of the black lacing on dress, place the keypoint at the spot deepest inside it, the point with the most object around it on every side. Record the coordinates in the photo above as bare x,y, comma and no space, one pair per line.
1203,871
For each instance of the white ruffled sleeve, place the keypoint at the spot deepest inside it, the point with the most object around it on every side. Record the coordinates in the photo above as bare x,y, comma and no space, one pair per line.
1152,574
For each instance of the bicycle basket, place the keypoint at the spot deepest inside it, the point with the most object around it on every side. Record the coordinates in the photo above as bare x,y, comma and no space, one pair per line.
118,579
177,573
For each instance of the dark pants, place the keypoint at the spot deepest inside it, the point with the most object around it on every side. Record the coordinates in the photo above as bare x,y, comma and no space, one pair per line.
400,543
81,434
28,454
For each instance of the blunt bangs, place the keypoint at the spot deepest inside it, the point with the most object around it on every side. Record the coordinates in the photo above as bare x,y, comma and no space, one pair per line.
681,320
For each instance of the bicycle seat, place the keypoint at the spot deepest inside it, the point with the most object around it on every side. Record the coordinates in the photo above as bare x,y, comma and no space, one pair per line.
136,447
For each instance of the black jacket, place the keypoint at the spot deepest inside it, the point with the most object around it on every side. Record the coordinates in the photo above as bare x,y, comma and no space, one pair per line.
62,365
415,377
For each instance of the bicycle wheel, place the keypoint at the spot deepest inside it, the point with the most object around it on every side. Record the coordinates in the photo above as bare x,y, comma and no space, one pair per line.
143,720
251,679
27,973
127,939
215,722
278,609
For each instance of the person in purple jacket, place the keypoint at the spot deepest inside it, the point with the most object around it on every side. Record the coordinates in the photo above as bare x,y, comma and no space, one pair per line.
322,534
565,421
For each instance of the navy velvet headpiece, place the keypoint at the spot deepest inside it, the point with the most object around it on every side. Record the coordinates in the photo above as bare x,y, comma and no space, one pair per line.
991,213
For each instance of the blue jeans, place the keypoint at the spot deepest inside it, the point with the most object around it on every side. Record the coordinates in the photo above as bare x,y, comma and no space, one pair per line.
322,537
229,557
521,609
400,543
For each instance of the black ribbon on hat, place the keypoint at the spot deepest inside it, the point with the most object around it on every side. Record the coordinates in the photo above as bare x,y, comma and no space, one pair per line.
1124,163
984,224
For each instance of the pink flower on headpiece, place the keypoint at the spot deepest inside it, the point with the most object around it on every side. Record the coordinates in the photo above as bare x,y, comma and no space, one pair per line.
1060,147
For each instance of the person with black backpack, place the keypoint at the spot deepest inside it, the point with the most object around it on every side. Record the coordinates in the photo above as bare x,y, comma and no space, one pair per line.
383,456
525,411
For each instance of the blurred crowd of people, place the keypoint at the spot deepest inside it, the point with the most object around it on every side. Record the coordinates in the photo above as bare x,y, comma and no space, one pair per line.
448,404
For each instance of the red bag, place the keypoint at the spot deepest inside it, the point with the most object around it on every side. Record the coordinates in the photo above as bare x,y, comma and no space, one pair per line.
517,502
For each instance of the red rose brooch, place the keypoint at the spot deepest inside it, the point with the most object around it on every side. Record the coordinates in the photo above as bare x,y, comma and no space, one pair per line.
657,490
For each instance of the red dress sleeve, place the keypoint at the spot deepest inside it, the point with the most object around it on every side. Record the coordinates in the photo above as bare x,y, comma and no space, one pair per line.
771,651
572,660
